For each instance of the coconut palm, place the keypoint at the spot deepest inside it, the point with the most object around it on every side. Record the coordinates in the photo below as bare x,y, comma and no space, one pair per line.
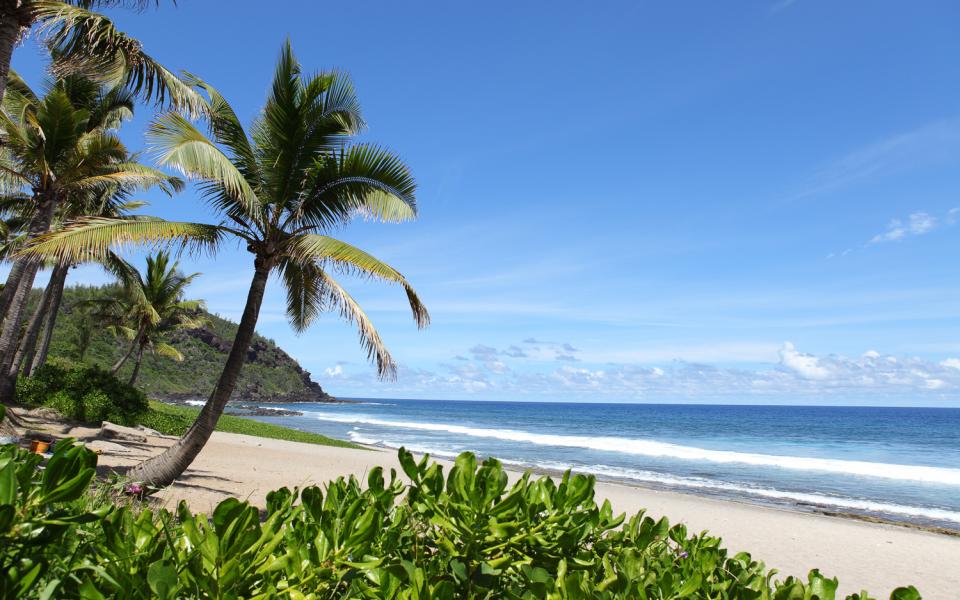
146,307
111,202
54,148
281,189
85,42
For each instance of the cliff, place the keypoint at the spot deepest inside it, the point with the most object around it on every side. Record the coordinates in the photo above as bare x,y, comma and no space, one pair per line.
270,375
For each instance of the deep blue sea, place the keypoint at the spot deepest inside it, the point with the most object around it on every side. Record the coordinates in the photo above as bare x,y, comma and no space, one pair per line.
896,463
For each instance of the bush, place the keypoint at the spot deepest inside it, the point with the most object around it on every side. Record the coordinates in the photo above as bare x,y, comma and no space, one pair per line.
82,393
467,535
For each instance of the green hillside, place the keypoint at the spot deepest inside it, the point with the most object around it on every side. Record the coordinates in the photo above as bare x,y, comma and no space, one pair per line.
270,374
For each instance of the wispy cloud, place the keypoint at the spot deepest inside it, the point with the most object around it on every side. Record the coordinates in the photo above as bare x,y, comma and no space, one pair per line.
781,5
930,144
919,223
914,225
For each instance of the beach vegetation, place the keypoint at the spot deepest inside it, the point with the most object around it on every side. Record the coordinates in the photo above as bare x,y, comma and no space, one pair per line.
469,533
281,189
84,393
57,148
145,307
269,375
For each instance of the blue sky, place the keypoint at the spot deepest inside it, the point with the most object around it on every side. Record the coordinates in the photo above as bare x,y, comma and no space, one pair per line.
626,201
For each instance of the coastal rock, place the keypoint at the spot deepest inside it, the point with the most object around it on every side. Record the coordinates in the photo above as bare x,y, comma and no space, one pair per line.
261,352
257,411
101,446
112,431
148,431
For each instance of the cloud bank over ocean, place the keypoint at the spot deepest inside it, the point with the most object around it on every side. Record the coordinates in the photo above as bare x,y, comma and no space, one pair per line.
557,370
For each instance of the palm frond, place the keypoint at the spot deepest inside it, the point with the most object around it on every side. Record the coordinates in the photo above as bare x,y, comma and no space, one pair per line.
227,129
87,43
167,351
178,144
92,239
310,291
347,258
130,176
19,98
339,101
362,179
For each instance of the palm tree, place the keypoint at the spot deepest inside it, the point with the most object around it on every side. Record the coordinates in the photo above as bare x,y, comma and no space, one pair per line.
59,147
86,42
281,190
110,202
146,307
44,314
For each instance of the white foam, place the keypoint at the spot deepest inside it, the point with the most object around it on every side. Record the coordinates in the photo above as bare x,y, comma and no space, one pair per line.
701,484
639,447
195,402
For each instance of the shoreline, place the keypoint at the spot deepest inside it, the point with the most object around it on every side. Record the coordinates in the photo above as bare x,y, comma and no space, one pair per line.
808,508
877,557
799,507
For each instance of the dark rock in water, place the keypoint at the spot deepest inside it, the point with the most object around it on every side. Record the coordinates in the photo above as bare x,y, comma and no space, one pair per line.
259,411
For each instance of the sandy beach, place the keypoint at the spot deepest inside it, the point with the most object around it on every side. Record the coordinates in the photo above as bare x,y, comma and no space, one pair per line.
871,556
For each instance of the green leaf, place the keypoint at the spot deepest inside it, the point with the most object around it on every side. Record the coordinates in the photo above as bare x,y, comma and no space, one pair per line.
905,593
8,482
162,579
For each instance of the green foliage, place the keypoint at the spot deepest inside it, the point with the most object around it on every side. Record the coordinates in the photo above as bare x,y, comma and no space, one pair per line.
467,535
40,514
82,393
175,420
271,374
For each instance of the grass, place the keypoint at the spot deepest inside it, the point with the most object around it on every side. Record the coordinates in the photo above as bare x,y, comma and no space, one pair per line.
174,420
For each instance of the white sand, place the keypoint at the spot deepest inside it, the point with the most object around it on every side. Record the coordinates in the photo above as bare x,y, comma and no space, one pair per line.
862,555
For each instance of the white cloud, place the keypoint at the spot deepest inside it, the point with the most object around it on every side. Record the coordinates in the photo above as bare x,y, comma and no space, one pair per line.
917,224
335,371
796,377
806,365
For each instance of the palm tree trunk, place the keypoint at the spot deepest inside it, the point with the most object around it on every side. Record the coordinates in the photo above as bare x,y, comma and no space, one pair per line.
165,468
40,223
14,277
57,281
10,25
136,365
123,359
29,342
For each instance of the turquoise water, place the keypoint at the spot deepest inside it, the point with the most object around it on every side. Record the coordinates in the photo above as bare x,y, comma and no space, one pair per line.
896,463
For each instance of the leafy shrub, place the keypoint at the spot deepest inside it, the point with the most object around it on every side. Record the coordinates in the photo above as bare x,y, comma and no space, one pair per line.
466,535
82,393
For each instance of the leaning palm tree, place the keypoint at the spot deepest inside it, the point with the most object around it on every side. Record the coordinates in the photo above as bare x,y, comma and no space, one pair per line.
282,190
86,42
55,148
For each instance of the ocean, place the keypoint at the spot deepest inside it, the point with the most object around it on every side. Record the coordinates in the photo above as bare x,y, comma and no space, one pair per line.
900,464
